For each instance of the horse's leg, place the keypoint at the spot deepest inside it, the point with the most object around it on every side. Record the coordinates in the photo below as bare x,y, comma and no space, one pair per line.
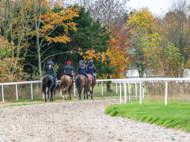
66,90
92,92
63,93
69,90
51,98
45,97
79,95
48,94
84,91
54,95
89,89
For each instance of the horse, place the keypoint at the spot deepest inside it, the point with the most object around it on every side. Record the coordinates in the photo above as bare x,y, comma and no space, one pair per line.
92,83
81,82
66,81
48,81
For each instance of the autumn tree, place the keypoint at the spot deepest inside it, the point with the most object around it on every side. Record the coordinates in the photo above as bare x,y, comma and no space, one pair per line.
46,22
118,49
6,73
143,24
174,27
163,60
90,35
15,25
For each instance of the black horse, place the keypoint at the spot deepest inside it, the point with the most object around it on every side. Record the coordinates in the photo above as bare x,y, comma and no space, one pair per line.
48,81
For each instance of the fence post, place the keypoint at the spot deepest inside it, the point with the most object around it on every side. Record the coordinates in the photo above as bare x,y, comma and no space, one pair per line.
120,93
143,90
166,92
136,90
102,87
16,93
140,93
2,95
125,93
116,88
129,91
31,92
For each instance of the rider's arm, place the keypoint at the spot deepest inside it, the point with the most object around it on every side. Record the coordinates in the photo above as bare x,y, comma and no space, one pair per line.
55,74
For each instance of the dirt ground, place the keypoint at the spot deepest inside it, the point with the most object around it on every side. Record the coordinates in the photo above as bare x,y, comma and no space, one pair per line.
81,121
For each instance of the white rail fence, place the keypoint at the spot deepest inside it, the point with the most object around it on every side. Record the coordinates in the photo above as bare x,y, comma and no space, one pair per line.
125,82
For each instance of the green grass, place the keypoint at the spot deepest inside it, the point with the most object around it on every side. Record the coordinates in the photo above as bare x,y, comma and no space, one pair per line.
175,115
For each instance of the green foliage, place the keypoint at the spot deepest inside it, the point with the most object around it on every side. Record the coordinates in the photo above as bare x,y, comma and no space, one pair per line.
163,60
174,115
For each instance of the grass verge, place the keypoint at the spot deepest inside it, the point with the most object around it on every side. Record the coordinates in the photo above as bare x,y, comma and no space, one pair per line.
175,115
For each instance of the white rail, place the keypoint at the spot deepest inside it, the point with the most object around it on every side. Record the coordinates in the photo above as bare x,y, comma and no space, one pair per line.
116,81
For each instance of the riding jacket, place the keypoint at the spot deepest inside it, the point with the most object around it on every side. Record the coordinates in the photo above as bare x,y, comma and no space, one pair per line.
51,71
82,69
91,69
68,70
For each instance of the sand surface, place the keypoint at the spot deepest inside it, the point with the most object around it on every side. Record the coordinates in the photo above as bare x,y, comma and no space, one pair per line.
82,121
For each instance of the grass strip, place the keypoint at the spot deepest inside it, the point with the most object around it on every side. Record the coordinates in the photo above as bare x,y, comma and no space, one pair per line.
174,115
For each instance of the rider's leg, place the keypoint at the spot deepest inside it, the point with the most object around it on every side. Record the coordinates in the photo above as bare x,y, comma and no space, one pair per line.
94,78
72,77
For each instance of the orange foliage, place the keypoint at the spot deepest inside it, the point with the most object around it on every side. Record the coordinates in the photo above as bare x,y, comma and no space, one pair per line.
8,74
118,49
117,52
51,20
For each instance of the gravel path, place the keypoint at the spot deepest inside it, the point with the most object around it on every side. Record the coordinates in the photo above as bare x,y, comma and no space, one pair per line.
82,121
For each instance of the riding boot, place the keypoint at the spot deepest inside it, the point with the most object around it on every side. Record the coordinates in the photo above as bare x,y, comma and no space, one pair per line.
73,79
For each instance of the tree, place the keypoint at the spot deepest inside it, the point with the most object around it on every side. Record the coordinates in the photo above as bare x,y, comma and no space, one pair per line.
45,23
143,24
165,61
174,27
15,25
90,35
106,11
118,49
6,73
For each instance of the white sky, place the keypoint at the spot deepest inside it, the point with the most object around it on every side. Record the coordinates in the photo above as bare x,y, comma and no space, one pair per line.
157,7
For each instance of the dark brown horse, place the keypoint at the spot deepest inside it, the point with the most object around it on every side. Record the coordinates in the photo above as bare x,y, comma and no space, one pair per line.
48,82
92,83
66,82
81,82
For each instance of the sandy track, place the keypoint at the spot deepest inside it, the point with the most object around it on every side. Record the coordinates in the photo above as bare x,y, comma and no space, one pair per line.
83,121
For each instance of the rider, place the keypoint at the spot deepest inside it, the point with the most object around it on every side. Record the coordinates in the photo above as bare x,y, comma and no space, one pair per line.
91,69
82,69
68,70
49,69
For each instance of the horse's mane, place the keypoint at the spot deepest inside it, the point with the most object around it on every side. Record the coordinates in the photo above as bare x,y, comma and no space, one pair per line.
49,66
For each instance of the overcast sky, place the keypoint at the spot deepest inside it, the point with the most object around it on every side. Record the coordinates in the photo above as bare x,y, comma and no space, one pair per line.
157,7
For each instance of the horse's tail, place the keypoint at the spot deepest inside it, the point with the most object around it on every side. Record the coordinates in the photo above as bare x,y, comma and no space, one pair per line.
44,84
79,86
61,84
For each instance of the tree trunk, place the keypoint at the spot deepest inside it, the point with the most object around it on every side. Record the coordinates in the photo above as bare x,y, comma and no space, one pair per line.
108,84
